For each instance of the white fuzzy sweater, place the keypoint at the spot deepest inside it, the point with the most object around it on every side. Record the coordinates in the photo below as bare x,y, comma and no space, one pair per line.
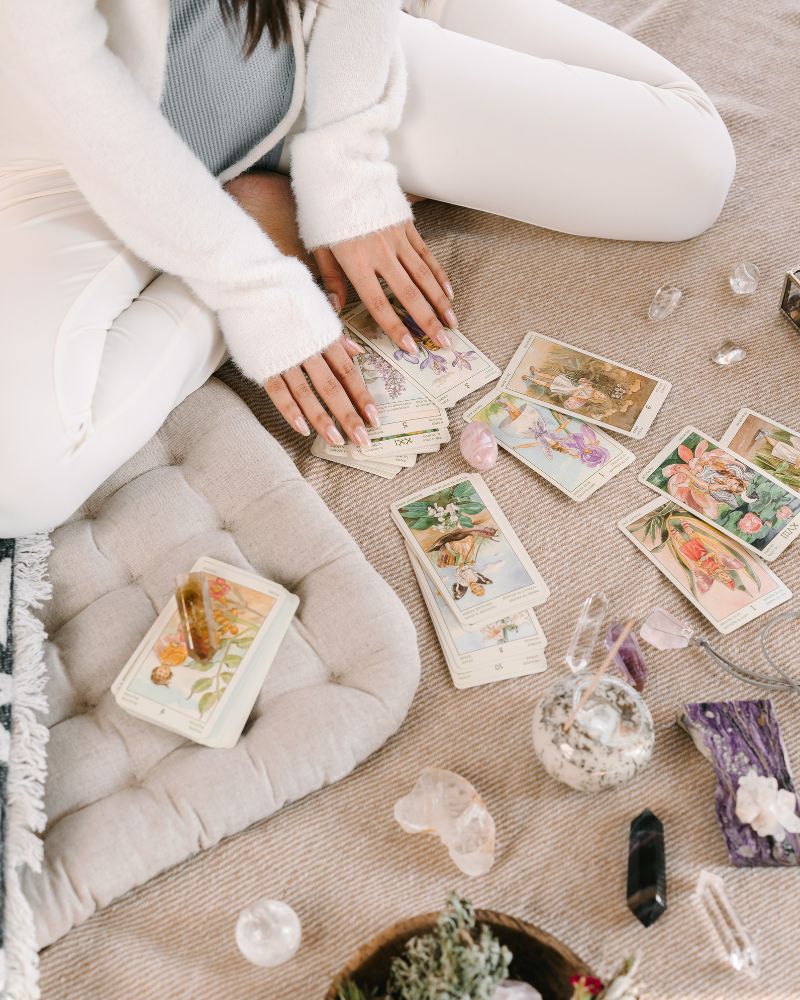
80,82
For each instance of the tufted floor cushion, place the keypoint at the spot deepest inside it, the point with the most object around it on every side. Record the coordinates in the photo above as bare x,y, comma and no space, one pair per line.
125,799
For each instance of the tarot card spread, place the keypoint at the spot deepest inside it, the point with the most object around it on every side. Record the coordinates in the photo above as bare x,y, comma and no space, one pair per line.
444,375
726,491
720,577
770,446
572,455
574,381
462,539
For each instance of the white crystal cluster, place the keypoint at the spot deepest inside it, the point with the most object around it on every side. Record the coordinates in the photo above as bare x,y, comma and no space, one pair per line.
445,804
768,809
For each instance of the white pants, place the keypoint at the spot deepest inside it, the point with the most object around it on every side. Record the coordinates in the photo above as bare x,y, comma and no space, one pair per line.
522,108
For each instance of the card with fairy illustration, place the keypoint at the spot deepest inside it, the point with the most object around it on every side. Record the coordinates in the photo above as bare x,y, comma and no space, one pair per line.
465,543
574,456
720,576
727,491
596,389
444,375
769,445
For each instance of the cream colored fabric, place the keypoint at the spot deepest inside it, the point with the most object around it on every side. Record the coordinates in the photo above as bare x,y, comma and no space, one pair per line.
125,799
338,856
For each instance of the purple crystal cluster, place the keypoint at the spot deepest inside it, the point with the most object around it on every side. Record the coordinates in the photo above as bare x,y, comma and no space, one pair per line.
736,736
628,659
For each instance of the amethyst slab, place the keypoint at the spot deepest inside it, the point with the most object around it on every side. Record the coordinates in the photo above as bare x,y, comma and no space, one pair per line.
736,736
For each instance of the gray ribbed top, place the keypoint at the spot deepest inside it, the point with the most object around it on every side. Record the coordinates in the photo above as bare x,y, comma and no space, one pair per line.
220,103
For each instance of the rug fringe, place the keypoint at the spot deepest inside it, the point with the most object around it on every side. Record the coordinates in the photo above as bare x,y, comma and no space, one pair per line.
27,764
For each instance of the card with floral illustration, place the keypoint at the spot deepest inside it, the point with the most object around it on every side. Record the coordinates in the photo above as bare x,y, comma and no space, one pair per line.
727,491
769,445
586,385
720,576
572,455
466,545
165,685
444,375
395,397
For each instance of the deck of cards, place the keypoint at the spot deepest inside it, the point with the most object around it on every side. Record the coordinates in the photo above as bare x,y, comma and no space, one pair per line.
478,582
209,702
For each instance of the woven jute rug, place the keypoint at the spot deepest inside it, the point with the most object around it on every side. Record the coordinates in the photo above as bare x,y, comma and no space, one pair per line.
338,857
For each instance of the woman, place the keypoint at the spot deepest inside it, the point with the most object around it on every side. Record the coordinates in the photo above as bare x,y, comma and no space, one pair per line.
127,267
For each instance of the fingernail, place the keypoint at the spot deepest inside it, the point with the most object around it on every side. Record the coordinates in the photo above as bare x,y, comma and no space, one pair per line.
354,346
332,436
302,426
450,319
333,298
360,436
444,340
448,290
408,345
372,414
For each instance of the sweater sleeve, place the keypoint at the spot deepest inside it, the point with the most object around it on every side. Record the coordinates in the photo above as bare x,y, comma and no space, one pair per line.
355,87
151,190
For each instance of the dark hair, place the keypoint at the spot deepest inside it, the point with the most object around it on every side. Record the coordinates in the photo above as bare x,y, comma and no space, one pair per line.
272,15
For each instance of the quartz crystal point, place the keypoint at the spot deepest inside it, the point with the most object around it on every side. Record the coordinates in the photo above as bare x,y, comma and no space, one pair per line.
737,737
628,659
513,989
665,631
743,278
197,618
445,804
728,354
733,935
268,933
478,446
665,302
647,869
584,638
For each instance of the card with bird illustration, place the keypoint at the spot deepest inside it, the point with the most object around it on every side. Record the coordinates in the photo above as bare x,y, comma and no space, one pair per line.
721,578
572,455
727,491
586,385
771,446
466,545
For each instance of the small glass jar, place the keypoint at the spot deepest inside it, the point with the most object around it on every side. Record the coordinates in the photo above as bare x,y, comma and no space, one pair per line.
609,742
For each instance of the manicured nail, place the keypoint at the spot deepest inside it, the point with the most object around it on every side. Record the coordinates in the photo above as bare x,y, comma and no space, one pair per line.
354,346
408,345
448,290
332,436
360,436
450,319
333,298
444,340
372,414
302,426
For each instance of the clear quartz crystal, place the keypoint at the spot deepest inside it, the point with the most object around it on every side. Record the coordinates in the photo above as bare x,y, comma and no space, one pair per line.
728,925
665,302
196,616
743,278
665,631
728,354
584,638
268,933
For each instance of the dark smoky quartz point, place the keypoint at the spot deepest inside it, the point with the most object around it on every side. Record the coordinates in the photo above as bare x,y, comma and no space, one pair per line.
647,868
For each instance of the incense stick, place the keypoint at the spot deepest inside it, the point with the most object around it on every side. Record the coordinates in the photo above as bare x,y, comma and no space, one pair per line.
603,667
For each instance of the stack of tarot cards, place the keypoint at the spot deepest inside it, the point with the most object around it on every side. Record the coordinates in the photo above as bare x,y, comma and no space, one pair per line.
553,405
719,518
479,584
209,702
412,393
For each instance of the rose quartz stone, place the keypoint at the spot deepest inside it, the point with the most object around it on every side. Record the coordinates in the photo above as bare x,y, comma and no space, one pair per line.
478,446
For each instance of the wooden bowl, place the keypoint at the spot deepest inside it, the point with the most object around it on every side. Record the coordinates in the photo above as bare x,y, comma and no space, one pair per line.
539,958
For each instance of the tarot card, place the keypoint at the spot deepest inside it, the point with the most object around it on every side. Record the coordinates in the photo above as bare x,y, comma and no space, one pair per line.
720,576
769,445
394,395
444,375
572,455
726,491
574,381
464,542
403,437
319,449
